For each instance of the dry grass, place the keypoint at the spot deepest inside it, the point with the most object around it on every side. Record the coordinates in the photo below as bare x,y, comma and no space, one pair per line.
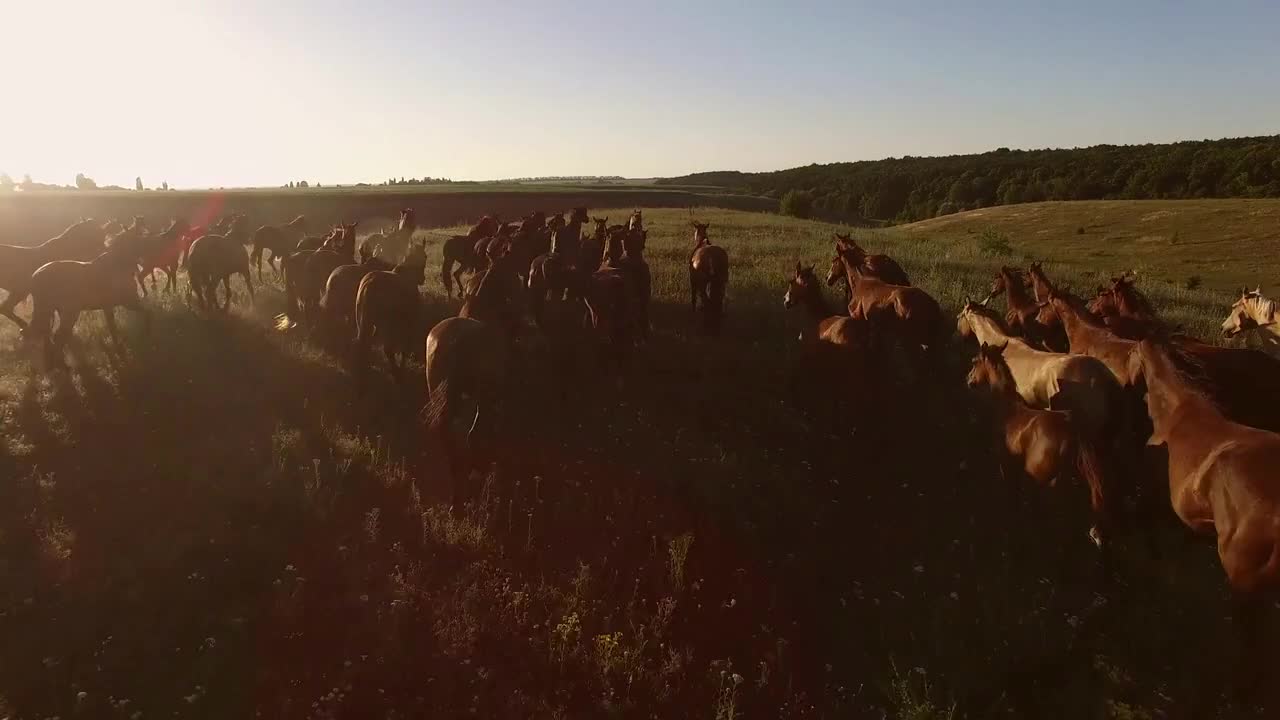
215,521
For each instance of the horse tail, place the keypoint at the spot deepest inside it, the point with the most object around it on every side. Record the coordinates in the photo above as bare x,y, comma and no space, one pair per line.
1090,466
436,417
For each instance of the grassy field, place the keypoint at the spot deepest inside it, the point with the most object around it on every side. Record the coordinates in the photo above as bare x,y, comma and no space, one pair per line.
216,521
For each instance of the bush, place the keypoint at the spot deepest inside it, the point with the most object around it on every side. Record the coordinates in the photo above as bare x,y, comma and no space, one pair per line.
994,242
797,203
1193,282
947,208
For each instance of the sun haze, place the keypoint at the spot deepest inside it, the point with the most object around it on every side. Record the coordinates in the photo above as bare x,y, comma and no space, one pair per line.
242,94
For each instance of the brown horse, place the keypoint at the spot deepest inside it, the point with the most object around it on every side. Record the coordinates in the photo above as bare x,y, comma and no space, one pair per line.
635,270
163,251
1023,310
387,309
82,241
338,303
1125,310
636,221
834,347
908,313
460,250
393,244
317,267
213,259
559,270
1222,481
279,239
1045,444
708,277
1053,335
878,266
66,288
591,252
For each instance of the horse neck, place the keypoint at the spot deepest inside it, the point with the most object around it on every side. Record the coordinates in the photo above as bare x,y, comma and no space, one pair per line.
1039,285
1016,292
1075,322
1128,303
1168,394
986,330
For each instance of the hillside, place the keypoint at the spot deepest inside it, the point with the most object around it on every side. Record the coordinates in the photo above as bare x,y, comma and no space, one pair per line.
916,188
1226,243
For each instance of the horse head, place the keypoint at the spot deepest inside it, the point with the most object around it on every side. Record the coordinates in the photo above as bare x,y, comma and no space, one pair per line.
700,236
803,284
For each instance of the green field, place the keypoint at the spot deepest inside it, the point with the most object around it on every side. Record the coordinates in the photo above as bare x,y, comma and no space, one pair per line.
218,520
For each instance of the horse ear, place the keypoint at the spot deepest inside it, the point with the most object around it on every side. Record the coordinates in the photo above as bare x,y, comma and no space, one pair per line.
798,268
1257,290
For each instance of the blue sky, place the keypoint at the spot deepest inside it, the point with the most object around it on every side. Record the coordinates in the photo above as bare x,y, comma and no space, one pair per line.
243,93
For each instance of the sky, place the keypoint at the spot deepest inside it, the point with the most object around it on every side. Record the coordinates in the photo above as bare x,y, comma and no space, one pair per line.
230,93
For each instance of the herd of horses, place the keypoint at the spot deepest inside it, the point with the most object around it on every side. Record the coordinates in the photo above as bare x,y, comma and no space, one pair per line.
1103,391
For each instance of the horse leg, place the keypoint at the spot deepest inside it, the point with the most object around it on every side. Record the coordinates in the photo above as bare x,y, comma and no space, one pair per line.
109,317
256,258
171,283
457,276
137,308
141,277
248,284
16,295
693,290
1247,614
226,285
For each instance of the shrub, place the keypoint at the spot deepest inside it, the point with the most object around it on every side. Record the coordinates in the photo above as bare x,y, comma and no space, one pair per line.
947,208
1193,282
994,242
797,203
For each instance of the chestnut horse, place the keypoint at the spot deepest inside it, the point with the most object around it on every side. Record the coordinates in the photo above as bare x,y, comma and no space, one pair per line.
1020,318
1053,335
1046,444
878,266
910,313
279,239
708,277
833,346
632,265
387,308
338,303
163,251
1222,481
1125,310
67,288
213,259
82,241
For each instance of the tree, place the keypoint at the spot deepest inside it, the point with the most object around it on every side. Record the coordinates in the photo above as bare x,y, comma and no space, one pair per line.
6,182
797,203
302,183
137,184
164,185
84,183
27,182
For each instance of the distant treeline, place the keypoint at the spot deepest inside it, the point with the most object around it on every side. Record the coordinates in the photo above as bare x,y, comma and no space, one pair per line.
915,188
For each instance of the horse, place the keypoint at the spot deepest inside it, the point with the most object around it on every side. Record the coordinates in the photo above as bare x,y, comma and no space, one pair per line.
1046,444
632,265
1053,335
337,304
460,250
834,345
1020,318
66,288
394,243
1221,481
279,239
215,258
317,267
1252,311
636,221
708,277
294,269
387,308
557,270
81,241
1125,310
878,266
591,250
1079,384
912,314
163,251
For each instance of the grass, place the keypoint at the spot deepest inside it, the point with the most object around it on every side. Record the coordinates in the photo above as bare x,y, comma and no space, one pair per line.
217,521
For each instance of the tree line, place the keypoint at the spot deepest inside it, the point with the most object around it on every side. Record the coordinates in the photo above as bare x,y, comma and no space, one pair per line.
916,188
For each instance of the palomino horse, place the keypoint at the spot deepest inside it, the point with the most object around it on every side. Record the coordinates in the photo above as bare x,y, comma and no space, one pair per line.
163,252
69,287
467,356
1020,318
1079,384
387,308
81,241
213,259
909,312
460,250
878,266
1222,481
395,243
708,277
833,346
1244,383
1053,336
279,239
338,304
1253,311
1044,443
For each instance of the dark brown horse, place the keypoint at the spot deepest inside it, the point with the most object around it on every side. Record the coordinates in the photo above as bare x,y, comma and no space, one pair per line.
81,241
213,259
338,304
834,347
558,271
1044,444
395,243
460,250
164,251
708,278
66,288
877,266
279,239
387,308
906,313
319,265
1052,335
1221,482
591,252
635,270
1020,317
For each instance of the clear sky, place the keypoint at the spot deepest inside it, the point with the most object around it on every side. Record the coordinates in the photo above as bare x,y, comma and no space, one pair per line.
235,93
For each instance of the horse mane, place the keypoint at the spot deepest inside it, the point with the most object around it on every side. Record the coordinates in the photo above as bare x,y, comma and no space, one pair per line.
1188,369
1127,292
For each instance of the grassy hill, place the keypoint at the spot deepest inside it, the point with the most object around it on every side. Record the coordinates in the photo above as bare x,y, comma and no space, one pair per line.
1226,243
217,520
